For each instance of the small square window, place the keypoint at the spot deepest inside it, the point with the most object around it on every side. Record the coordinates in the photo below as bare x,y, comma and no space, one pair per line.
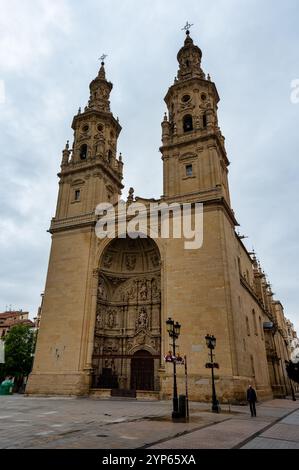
77,194
189,170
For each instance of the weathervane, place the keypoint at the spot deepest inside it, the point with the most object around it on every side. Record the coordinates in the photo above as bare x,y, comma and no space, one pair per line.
103,57
187,27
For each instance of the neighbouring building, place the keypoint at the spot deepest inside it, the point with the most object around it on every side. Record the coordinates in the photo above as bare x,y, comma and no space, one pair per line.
293,341
105,305
11,318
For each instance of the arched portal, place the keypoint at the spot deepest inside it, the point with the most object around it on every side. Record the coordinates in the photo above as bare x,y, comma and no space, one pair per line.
128,316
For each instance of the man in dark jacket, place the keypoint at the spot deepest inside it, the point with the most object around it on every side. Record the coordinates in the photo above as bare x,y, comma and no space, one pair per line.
251,398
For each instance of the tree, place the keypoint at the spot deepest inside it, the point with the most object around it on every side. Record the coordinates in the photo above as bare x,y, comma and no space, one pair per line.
19,348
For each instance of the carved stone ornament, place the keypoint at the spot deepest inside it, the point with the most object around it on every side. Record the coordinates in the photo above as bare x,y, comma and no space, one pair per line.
111,346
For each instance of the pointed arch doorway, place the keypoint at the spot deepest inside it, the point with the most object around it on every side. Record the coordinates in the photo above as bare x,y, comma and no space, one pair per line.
142,371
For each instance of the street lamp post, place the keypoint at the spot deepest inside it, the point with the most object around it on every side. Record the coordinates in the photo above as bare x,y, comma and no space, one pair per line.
211,344
173,330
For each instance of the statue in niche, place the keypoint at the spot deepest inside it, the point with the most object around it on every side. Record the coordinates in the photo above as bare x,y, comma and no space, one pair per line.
143,290
155,260
132,291
99,321
142,319
108,260
110,319
155,288
101,289
130,262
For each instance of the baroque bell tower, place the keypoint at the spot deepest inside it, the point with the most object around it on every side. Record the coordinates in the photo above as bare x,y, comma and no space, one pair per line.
193,151
91,172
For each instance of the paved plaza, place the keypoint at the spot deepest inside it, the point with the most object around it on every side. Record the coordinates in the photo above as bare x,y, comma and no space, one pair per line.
55,423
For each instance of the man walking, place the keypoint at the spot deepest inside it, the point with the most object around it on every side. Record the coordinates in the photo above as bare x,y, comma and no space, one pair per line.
251,398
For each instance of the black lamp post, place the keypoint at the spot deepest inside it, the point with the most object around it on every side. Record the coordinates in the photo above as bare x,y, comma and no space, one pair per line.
173,330
211,344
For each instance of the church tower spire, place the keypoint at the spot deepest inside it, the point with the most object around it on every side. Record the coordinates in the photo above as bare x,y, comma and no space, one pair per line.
189,59
91,172
193,151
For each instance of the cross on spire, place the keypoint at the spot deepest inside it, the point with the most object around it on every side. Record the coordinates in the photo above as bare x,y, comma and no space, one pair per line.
187,27
102,58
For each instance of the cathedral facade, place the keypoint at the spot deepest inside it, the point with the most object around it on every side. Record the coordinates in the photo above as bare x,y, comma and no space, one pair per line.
106,301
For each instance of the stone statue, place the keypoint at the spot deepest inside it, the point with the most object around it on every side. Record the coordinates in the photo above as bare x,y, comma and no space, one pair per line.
101,289
143,290
110,319
131,262
142,319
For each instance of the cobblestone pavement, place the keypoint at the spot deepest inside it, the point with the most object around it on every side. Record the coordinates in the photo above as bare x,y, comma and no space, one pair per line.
35,422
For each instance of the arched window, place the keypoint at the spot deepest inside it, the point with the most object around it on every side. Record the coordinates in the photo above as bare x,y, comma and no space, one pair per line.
204,120
109,156
83,152
187,123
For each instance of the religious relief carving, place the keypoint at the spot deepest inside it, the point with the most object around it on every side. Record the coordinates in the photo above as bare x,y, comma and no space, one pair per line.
107,261
111,346
128,291
142,319
141,338
130,261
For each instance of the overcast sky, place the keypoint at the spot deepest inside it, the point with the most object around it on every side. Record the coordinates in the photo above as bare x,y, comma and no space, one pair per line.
49,52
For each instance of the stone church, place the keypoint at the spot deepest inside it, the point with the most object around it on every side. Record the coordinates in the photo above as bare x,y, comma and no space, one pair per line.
106,302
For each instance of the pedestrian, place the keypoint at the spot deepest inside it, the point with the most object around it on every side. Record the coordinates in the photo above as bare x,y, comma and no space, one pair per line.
251,398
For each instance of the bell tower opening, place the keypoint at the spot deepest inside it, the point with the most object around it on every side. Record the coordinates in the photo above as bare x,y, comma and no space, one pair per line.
83,152
127,337
187,123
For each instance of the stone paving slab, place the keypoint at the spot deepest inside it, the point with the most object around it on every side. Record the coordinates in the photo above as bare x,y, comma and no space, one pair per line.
292,419
267,443
286,432
223,435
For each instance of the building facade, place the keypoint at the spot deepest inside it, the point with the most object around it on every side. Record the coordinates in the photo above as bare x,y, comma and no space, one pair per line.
106,301
11,318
